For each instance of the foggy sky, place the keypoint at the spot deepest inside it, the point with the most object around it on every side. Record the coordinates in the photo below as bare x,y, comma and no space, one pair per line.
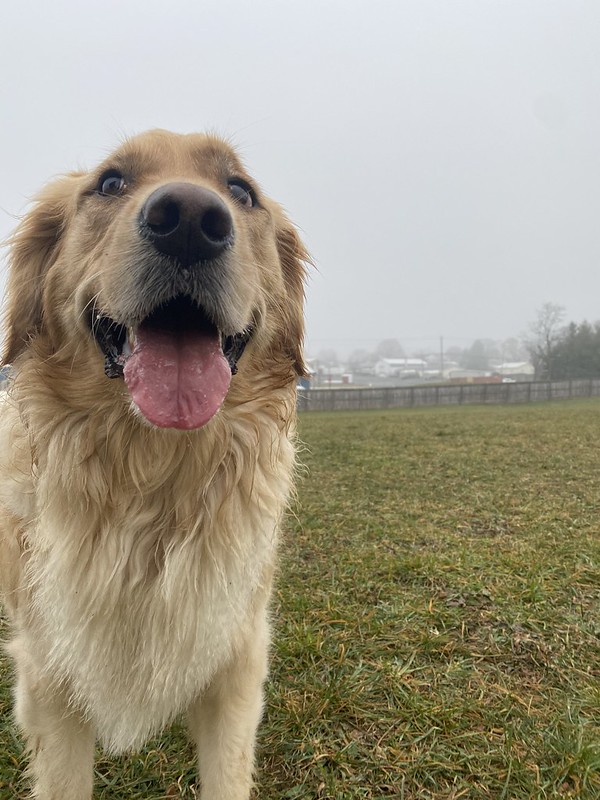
442,158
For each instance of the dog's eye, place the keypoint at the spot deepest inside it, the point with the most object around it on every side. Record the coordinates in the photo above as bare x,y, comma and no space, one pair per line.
111,183
242,192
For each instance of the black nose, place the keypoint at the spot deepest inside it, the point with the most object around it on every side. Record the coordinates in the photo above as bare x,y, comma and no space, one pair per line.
187,222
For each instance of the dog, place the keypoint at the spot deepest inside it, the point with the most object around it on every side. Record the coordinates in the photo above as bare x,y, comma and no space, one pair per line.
154,327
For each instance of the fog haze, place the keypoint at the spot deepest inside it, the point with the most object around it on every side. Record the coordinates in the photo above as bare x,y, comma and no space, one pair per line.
441,158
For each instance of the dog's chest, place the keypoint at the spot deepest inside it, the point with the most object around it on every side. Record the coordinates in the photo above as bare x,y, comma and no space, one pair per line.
147,567
137,646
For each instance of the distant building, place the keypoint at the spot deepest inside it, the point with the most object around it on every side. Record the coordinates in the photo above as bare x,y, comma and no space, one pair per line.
400,368
472,375
5,375
518,370
436,368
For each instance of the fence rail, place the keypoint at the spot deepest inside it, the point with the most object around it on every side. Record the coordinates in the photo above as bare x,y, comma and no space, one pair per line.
462,394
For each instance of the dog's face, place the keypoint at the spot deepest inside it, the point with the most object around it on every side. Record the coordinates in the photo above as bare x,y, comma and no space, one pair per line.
168,266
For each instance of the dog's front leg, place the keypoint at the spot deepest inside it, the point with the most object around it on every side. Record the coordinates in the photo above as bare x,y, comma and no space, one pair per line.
224,722
60,742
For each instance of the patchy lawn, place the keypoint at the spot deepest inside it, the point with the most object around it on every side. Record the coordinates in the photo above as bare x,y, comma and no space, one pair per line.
437,617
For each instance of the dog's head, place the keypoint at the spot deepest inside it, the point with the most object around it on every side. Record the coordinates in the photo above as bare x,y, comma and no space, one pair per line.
168,267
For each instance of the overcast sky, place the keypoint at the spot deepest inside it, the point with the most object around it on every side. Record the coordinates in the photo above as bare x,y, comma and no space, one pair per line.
441,157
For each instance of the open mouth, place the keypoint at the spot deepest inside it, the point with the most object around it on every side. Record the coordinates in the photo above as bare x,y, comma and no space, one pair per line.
177,365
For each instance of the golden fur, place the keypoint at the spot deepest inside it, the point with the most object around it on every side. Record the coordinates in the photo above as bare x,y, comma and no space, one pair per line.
136,561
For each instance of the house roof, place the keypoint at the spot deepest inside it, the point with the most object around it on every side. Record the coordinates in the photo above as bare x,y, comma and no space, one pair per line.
403,362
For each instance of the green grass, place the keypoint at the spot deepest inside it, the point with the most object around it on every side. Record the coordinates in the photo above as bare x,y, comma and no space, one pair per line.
437,617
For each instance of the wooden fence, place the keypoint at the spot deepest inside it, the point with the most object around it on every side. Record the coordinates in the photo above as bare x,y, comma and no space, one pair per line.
463,394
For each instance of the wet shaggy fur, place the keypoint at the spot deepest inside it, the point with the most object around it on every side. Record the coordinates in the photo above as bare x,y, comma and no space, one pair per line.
136,562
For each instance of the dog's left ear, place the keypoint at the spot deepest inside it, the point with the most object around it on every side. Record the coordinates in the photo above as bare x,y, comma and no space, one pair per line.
32,249
294,259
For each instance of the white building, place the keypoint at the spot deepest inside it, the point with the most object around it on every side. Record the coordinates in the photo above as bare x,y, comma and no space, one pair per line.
400,367
516,369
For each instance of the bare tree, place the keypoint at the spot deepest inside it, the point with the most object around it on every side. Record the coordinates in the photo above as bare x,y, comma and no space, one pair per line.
544,334
389,348
512,350
361,360
475,357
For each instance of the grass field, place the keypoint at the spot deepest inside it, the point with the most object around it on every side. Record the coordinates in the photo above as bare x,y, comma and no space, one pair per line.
437,617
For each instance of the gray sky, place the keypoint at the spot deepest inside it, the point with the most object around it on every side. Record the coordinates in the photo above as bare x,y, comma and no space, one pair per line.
442,157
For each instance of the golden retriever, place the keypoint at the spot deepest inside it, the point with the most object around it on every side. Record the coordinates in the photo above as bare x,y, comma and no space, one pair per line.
154,325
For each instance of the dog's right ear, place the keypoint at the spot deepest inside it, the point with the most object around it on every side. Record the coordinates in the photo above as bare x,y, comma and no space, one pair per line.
32,248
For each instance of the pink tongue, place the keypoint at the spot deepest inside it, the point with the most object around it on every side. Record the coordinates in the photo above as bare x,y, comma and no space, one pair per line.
177,380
